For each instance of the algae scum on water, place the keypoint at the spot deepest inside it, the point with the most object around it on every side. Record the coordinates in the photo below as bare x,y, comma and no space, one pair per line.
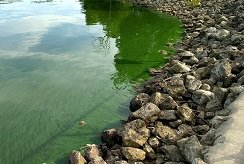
63,62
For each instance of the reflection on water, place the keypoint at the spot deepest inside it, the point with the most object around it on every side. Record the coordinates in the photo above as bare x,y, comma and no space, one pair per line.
64,61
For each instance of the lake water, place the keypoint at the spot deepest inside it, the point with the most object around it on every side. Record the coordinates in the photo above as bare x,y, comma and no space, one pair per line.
65,61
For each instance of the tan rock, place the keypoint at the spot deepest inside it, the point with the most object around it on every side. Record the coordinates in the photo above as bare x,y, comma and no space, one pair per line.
133,154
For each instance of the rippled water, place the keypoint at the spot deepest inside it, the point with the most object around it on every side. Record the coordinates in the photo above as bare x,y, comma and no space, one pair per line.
64,61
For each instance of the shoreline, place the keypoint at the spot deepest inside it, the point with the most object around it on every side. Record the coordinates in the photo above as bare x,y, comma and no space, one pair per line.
176,113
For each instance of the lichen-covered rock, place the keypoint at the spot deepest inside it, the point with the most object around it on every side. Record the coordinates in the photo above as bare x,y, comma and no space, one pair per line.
153,142
221,70
166,133
201,97
138,101
133,154
179,67
192,83
190,148
148,113
168,115
76,158
97,160
163,101
135,133
150,153
172,153
92,151
175,87
186,114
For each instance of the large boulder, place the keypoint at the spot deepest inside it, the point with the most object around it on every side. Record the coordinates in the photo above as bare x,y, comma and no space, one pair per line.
148,113
201,97
75,157
166,133
221,70
190,148
163,101
92,152
175,87
135,133
138,101
133,154
186,114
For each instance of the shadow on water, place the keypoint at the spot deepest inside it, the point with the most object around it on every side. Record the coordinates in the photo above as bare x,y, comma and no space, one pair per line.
139,35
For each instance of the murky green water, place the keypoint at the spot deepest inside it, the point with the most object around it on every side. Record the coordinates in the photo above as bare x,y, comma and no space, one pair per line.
65,61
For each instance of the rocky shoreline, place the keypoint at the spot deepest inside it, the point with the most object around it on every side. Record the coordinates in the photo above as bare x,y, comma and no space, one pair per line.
175,114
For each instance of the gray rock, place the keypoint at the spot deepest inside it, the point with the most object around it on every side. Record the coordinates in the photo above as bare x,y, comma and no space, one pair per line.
160,159
190,148
192,83
212,32
185,131
175,87
166,133
201,129
175,124
209,115
201,97
179,67
163,101
218,99
186,114
230,98
198,161
113,155
76,158
208,138
172,153
150,153
153,142
133,154
221,70
217,120
169,115
135,133
204,72
148,113
138,101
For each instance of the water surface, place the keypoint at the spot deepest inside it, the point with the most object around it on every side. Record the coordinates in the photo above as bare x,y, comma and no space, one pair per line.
64,61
